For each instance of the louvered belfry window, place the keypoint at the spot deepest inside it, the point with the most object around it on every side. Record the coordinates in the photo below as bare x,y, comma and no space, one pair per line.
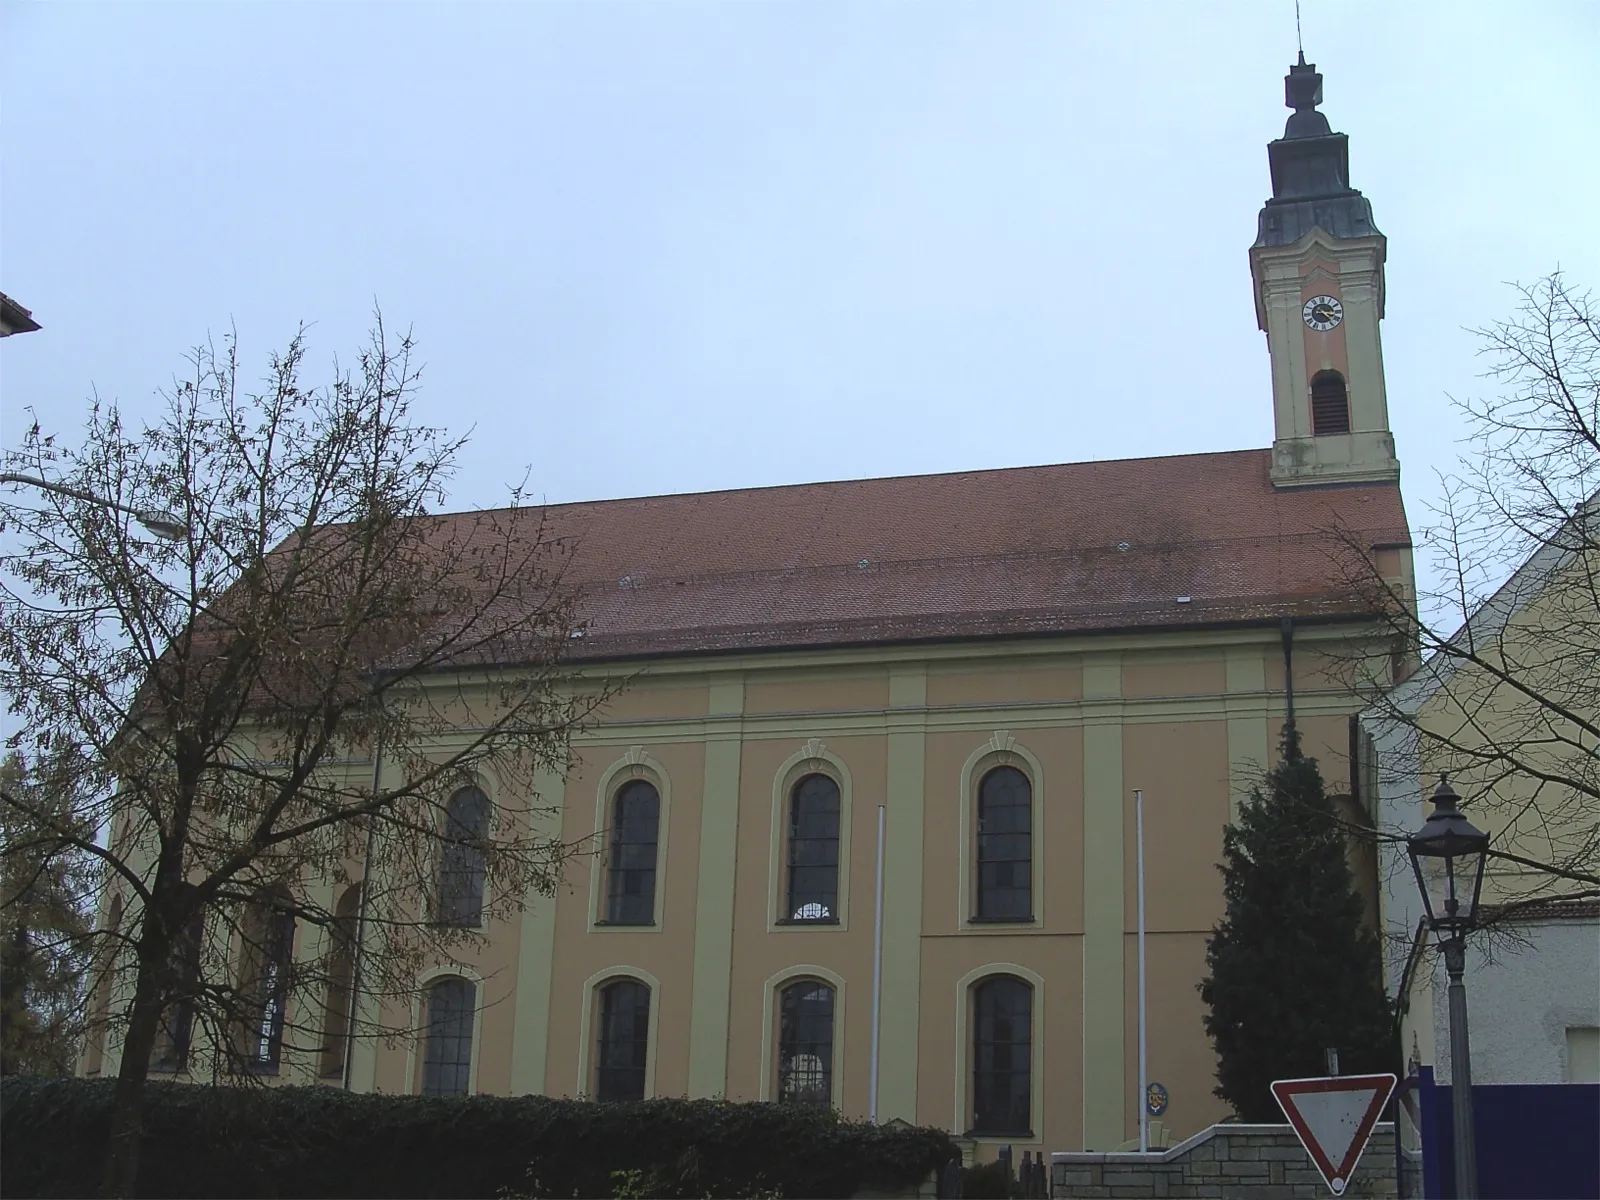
1330,404
635,832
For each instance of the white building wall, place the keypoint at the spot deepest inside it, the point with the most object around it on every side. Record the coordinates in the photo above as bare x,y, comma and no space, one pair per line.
1521,1000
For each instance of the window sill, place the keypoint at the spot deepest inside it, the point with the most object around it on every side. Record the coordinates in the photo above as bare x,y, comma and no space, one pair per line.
1030,919
797,921
1021,1135
625,925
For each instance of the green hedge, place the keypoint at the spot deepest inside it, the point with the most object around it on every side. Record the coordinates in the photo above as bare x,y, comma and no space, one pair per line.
313,1141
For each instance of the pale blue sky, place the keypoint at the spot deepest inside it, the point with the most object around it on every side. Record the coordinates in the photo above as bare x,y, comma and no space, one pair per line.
670,245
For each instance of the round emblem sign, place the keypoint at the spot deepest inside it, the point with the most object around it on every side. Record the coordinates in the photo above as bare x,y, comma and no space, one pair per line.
1155,1099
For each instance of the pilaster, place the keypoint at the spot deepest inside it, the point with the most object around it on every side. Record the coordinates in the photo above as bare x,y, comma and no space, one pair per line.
1103,920
530,1038
713,913
902,893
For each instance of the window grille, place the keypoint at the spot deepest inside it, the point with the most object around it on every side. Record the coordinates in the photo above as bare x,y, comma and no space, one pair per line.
341,981
1330,406
177,1018
1005,846
813,886
1002,1032
624,1040
635,833
447,1060
805,1043
272,989
461,861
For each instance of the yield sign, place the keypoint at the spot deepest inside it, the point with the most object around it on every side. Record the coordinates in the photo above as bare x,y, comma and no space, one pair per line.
1334,1117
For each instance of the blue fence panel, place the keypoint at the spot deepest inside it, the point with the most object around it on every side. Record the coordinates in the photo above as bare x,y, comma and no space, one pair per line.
1534,1140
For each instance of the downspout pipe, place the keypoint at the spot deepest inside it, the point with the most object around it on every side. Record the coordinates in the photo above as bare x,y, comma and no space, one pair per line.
1286,632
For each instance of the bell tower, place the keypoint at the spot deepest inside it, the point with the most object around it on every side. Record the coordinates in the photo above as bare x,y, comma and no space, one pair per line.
1317,264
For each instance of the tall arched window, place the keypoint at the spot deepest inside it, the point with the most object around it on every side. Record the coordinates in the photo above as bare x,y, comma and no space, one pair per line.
635,834
341,981
447,1056
1002,1036
624,1043
177,1017
461,864
805,1043
1330,406
269,955
1005,846
813,884
94,1057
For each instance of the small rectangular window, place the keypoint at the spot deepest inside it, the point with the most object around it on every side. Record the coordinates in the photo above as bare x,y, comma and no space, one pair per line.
1583,1054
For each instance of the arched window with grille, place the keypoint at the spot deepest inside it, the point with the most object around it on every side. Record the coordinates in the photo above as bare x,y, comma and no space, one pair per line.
177,1016
635,839
623,1051
1002,1045
805,1043
269,955
447,1055
461,861
340,983
1005,846
813,858
1330,405
100,1003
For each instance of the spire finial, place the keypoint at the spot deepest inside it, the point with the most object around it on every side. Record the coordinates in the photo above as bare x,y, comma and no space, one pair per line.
1298,40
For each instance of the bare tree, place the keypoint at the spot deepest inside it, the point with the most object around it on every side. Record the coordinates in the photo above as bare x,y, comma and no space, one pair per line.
276,702
1506,624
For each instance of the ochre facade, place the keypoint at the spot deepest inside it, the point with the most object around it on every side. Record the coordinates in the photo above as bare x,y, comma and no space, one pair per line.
1188,718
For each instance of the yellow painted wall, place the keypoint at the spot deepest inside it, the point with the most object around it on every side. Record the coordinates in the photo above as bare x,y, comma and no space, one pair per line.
1184,717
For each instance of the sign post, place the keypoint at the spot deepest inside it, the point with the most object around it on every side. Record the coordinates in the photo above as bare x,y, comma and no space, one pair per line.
1333,1117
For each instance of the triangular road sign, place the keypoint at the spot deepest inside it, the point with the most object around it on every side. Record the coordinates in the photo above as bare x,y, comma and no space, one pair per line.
1333,1118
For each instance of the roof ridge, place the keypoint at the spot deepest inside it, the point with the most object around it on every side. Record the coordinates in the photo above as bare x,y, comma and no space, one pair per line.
832,483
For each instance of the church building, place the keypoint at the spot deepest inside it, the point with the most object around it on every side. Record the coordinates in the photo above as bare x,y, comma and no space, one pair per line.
865,810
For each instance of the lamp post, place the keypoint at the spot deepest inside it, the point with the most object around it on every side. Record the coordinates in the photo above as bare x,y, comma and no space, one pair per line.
162,524
1458,851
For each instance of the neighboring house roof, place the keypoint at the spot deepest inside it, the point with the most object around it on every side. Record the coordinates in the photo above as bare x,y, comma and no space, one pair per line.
1081,547
14,318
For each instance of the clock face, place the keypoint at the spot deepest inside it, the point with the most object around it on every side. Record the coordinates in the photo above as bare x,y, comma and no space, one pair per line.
1322,313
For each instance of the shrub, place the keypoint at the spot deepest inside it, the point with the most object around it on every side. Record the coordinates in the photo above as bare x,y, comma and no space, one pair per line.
318,1141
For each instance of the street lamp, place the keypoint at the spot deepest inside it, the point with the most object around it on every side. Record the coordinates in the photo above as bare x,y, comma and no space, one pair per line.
1450,897
163,524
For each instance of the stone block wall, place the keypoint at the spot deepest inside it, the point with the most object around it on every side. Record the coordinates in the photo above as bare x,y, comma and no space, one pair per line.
1235,1162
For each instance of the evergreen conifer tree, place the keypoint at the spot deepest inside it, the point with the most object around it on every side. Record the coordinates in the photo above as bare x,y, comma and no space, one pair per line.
1293,970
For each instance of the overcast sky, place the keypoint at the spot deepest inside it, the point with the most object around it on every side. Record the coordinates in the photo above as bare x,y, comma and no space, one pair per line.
670,246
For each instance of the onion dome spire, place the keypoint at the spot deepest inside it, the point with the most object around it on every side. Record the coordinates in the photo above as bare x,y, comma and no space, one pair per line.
1310,171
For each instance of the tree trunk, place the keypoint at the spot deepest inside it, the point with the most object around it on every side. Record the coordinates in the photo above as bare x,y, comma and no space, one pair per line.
121,1174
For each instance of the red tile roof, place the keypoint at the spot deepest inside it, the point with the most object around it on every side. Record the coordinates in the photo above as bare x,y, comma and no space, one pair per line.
1025,551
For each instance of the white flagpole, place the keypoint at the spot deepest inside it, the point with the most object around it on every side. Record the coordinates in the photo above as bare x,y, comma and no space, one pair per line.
1144,1064
877,977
